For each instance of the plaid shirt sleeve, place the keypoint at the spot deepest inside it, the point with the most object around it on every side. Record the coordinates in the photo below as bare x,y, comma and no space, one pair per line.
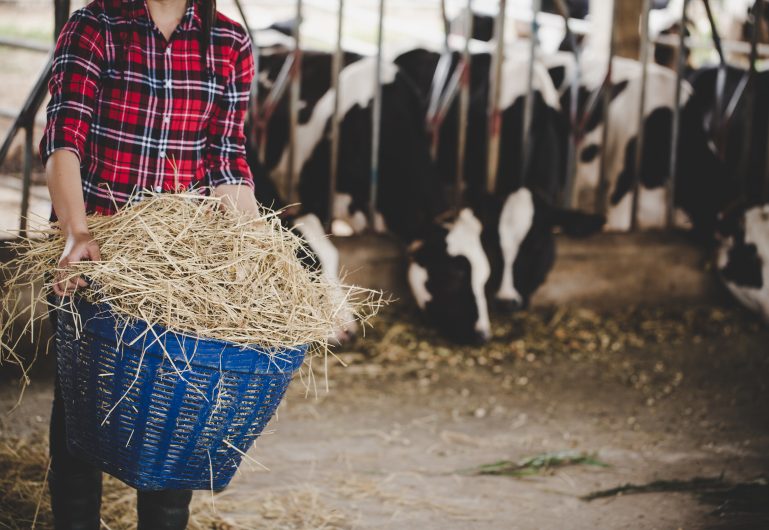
74,83
226,139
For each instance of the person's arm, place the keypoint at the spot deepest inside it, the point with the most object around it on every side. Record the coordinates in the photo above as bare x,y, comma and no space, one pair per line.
228,173
63,175
77,65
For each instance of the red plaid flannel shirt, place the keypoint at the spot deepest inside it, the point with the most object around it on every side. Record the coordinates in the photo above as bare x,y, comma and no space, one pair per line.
143,113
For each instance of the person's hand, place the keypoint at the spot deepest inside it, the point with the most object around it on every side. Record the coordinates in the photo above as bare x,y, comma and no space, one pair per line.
79,247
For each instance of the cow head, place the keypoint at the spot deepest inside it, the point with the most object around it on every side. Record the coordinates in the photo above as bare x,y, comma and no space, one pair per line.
743,256
494,255
447,274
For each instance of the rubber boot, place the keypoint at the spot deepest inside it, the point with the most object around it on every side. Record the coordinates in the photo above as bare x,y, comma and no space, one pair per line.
163,510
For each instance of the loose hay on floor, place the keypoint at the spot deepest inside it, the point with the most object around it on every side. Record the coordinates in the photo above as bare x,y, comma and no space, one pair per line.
187,263
24,493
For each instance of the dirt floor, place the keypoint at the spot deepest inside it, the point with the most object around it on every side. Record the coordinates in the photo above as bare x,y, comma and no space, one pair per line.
418,433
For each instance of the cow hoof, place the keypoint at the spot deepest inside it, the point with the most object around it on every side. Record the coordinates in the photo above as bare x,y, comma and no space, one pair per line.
481,337
508,306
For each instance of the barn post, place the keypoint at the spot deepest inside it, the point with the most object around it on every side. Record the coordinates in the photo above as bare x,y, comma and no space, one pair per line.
641,110
528,109
26,118
676,127
493,112
253,96
567,197
336,68
61,15
464,110
376,121
602,190
293,108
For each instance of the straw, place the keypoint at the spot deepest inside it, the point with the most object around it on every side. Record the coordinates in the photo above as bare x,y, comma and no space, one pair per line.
185,262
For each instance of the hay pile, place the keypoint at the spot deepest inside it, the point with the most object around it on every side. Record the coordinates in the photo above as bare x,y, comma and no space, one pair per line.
26,503
187,263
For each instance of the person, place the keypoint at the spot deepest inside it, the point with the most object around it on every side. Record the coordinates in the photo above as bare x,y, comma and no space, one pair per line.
145,95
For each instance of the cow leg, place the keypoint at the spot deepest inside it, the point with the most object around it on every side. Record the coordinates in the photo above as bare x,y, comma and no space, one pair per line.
514,223
311,229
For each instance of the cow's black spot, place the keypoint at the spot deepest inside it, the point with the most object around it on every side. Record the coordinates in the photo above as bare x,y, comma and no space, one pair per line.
557,74
618,88
744,266
589,153
655,161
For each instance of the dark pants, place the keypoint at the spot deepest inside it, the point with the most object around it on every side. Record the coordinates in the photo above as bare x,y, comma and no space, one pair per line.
76,486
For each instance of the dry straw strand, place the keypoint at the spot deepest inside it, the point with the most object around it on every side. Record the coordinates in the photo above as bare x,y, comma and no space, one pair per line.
183,261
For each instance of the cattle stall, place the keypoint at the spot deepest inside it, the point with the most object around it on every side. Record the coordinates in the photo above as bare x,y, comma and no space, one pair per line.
566,203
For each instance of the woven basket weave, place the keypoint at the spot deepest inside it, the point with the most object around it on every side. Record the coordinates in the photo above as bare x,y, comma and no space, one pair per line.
160,410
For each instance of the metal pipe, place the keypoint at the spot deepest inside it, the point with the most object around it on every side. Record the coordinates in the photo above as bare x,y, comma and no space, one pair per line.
720,77
676,127
641,112
447,24
464,111
30,108
493,112
23,44
270,103
293,108
61,9
528,108
575,133
253,96
602,190
376,122
336,68
434,118
27,181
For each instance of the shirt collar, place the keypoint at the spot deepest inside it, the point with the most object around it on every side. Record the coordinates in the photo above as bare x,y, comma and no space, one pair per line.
138,10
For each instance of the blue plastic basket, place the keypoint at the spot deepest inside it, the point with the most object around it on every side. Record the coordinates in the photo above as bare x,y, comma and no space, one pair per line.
160,410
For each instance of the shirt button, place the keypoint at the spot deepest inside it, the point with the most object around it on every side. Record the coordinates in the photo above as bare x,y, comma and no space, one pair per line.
168,83
162,154
158,189
168,50
167,120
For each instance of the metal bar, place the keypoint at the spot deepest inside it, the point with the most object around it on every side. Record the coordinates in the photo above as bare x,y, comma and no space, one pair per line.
493,113
60,16
575,133
23,44
376,122
528,108
464,111
641,116
676,126
434,119
715,35
293,108
271,102
27,180
720,78
447,24
336,68
729,46
253,97
602,190
30,108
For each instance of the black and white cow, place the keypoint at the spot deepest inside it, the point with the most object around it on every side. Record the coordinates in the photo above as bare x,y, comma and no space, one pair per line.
498,249
496,253
743,256
407,199
623,127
